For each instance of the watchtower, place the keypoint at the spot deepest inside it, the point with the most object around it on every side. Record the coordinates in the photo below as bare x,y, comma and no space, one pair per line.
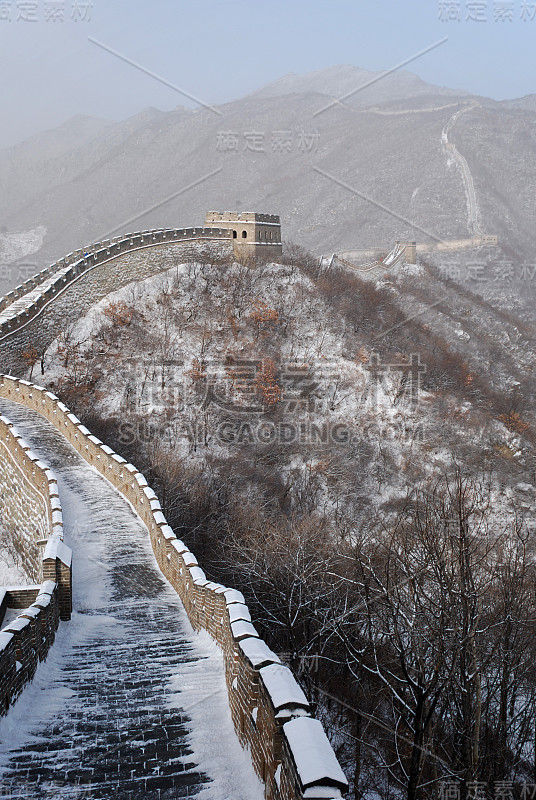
255,236
410,249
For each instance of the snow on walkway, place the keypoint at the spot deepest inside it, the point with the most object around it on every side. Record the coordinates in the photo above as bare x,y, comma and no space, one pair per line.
130,703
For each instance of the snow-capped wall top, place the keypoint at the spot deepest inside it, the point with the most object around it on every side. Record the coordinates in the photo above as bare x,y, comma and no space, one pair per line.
24,302
258,653
221,610
282,687
313,754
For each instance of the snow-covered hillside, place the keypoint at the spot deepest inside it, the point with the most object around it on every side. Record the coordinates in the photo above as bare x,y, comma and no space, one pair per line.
225,365
356,454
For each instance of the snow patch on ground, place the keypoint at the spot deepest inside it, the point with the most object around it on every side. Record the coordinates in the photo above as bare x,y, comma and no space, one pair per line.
94,515
19,245
212,725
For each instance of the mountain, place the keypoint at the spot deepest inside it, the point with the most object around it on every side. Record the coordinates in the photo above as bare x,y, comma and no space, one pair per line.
527,103
345,175
355,451
339,81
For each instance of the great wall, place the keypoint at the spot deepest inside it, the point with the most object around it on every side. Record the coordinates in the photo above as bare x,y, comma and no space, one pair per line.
375,256
31,510
272,717
35,312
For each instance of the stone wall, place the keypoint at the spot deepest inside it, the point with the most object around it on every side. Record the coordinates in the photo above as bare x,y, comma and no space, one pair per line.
264,698
26,641
35,317
25,500
413,249
31,511
256,237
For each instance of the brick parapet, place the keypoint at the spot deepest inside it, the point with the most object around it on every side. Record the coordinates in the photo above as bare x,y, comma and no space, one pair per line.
260,703
34,318
51,279
31,511
26,640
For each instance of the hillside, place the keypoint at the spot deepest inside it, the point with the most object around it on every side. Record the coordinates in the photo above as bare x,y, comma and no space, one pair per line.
355,450
383,143
293,344
308,431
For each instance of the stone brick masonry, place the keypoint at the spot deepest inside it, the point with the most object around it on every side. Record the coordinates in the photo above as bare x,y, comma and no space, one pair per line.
31,513
35,313
264,698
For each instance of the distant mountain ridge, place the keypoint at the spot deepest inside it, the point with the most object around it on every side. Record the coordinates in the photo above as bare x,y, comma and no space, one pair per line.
345,79
365,171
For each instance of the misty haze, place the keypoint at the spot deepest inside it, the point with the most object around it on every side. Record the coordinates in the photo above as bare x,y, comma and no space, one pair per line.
267,392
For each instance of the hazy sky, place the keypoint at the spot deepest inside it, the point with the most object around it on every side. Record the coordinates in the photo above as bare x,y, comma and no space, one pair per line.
218,50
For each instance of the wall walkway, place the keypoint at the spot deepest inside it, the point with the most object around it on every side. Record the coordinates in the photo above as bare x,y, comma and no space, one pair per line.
289,749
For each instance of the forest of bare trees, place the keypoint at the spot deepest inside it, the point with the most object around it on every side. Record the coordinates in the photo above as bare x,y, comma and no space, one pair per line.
417,640
411,624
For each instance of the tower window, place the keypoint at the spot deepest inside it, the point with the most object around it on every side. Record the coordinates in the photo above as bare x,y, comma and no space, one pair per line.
244,234
235,234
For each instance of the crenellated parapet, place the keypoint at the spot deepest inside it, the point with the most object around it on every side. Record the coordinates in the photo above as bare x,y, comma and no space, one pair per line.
32,320
31,513
20,305
26,640
289,748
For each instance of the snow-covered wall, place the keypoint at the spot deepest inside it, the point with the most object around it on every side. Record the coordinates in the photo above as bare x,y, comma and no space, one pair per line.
26,640
31,515
28,500
263,695
35,312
